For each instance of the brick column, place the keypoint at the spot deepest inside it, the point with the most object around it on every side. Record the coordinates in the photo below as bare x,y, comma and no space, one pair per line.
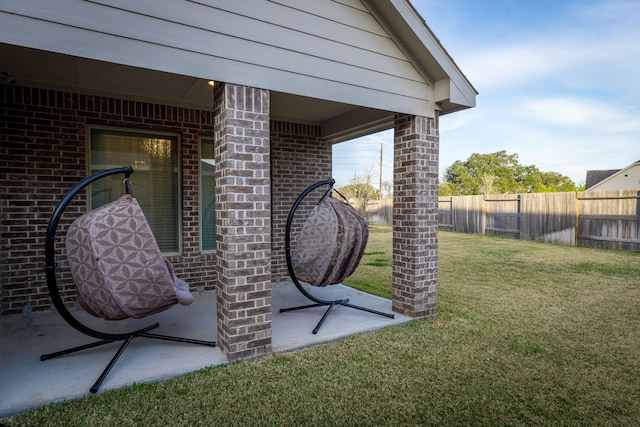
243,209
415,209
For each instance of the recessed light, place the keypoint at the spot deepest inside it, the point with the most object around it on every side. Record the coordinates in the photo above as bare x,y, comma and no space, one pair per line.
211,82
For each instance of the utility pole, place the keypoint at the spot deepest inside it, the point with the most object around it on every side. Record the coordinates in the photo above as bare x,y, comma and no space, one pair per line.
380,188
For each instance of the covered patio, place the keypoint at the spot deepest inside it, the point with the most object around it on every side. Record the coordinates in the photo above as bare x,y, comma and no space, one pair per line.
29,382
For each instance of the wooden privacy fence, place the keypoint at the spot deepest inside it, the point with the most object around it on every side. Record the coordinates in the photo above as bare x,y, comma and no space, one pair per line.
380,211
604,219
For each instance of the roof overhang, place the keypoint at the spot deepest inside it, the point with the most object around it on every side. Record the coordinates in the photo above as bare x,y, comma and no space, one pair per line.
339,120
452,90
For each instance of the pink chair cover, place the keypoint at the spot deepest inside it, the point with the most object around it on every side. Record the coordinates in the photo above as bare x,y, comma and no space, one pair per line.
330,244
117,265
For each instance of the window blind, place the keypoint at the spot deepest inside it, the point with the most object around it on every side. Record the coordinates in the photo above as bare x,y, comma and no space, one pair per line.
154,158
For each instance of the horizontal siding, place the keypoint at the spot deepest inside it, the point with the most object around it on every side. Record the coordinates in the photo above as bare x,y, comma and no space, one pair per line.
348,13
331,46
254,20
354,4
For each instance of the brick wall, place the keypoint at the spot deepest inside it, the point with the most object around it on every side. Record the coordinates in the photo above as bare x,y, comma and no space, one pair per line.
415,216
43,151
299,158
43,154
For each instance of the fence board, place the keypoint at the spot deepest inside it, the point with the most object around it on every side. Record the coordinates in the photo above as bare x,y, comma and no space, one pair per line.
468,214
609,219
380,211
503,215
445,213
549,217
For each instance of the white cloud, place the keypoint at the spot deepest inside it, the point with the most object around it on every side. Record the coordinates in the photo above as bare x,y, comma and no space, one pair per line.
522,62
595,39
584,114
458,120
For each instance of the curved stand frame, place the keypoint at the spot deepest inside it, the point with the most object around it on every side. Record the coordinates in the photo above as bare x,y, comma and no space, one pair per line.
317,301
104,337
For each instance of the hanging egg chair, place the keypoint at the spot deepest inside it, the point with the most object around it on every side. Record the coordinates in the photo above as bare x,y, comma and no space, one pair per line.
117,268
328,248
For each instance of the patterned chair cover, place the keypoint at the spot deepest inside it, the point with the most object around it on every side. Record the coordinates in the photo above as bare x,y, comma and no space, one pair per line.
117,265
330,244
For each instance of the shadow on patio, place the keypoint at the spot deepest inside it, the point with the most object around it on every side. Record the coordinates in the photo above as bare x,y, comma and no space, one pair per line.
26,382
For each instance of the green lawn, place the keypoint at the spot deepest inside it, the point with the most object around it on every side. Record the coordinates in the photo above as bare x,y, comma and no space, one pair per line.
526,334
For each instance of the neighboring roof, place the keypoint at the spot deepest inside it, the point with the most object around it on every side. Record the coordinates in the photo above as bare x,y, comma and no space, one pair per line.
346,65
596,176
618,179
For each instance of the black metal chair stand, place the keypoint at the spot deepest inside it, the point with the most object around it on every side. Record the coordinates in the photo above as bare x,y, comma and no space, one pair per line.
318,302
104,337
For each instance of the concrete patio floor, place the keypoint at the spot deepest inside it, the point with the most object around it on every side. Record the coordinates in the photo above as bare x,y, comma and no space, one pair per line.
26,382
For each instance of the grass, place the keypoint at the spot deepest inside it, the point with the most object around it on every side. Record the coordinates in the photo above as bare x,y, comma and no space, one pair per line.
526,334
374,271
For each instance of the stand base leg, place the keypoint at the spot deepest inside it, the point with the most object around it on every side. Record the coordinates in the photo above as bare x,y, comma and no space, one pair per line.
94,388
284,310
126,339
370,310
324,317
332,304
75,349
97,343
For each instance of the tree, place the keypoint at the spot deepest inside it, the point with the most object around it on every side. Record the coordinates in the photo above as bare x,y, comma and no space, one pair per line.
361,190
500,173
387,188
445,189
552,181
487,183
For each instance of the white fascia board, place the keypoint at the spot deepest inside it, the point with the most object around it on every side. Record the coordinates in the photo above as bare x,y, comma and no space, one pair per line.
446,90
460,88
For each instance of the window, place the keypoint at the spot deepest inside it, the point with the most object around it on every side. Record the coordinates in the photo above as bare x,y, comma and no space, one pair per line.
154,158
207,196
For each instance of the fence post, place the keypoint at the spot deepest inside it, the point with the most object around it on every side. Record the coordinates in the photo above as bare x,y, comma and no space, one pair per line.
519,213
577,213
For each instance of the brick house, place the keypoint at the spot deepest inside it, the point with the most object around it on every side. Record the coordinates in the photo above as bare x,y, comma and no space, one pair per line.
89,85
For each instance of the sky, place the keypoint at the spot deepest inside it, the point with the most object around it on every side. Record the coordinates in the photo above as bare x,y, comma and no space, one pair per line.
558,83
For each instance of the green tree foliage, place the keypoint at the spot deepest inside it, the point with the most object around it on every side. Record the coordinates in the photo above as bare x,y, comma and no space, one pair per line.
499,173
